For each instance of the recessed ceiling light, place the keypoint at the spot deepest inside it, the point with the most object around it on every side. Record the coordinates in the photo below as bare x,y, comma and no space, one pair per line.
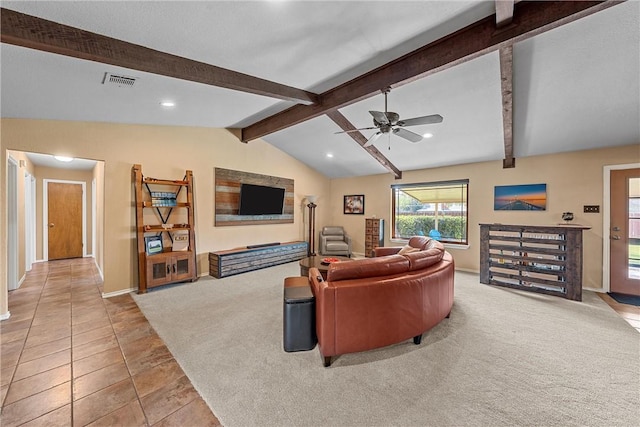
168,104
427,135
329,155
63,158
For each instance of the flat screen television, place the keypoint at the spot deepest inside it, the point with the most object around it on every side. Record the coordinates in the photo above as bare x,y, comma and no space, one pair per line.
260,200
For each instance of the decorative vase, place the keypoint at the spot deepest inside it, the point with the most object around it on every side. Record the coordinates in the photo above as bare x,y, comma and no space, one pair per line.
567,217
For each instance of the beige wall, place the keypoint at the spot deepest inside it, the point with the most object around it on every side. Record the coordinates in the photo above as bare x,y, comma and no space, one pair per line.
164,152
573,180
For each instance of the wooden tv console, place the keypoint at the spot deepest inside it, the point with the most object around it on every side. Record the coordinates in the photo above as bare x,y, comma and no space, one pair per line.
240,260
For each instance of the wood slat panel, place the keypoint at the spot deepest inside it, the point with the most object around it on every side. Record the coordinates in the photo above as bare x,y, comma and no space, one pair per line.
529,261
241,260
227,198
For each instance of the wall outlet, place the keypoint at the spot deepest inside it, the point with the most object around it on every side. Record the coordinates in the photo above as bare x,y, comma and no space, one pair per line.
592,208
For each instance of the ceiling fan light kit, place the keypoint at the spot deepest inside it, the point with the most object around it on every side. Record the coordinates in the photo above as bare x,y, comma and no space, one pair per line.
388,122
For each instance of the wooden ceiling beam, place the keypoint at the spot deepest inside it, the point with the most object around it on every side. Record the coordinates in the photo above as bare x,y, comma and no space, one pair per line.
504,12
346,125
529,19
35,33
504,16
506,81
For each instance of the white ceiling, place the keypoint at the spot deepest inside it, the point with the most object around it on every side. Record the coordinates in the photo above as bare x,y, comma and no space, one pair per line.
576,87
49,161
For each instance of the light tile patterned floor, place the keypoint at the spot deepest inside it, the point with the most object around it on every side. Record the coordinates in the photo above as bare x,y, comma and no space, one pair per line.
72,358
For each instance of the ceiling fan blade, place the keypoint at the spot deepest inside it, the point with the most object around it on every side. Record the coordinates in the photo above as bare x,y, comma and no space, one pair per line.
355,130
373,139
407,134
380,117
424,120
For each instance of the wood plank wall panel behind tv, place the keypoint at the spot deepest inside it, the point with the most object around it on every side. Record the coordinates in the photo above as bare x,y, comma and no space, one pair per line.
227,198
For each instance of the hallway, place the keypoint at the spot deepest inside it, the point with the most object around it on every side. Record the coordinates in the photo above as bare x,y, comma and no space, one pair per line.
72,358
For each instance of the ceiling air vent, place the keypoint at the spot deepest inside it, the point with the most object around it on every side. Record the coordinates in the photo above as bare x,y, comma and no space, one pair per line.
118,79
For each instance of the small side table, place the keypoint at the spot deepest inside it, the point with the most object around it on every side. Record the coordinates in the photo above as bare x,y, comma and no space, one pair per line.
299,315
316,261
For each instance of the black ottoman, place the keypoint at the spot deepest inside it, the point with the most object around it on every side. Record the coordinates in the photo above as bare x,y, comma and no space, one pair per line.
299,315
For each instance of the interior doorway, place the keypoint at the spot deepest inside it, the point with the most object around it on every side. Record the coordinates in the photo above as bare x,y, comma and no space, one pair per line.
624,231
64,219
12,224
621,232
29,220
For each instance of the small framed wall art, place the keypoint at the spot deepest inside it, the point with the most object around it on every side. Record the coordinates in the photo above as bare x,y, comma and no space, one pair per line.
354,204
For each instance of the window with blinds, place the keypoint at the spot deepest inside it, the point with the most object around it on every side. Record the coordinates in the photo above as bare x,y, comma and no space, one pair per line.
434,209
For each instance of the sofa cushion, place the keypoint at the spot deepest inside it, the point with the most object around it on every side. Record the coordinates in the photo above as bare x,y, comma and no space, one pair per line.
420,242
367,267
407,250
425,258
339,245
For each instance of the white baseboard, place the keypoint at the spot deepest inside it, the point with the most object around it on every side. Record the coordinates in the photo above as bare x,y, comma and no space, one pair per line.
118,293
99,269
467,270
5,316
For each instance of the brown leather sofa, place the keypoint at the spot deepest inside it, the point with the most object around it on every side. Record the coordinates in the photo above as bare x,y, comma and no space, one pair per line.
374,302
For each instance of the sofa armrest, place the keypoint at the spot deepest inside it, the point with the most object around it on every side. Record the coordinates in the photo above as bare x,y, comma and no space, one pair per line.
316,281
325,312
386,250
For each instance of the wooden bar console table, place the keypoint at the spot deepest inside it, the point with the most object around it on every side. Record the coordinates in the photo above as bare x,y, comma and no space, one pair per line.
543,259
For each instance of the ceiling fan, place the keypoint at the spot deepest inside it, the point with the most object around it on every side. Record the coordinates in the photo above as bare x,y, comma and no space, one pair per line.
388,122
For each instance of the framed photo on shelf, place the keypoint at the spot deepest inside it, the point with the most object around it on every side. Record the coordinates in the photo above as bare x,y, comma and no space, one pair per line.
180,241
354,204
153,244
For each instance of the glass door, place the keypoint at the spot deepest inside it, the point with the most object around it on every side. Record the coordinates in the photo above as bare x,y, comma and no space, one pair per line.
624,231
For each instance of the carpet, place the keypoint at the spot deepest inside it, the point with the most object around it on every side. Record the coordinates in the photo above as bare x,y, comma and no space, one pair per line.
625,299
503,358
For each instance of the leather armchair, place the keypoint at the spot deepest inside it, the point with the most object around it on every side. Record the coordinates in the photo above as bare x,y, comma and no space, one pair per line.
335,241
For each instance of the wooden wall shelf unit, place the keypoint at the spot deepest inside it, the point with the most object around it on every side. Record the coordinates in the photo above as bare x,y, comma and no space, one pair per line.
236,261
373,235
543,259
158,201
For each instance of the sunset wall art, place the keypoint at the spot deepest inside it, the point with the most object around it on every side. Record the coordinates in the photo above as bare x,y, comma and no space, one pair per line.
529,197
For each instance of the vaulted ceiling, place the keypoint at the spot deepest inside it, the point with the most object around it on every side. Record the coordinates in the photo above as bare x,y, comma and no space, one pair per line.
511,80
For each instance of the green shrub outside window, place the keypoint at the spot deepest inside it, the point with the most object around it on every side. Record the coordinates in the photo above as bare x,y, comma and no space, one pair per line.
437,209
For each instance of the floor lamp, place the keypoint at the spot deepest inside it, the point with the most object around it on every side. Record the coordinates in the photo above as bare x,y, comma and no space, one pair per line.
312,225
